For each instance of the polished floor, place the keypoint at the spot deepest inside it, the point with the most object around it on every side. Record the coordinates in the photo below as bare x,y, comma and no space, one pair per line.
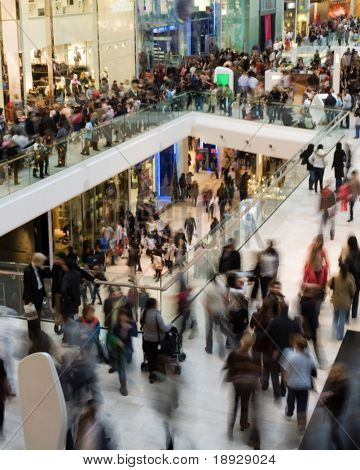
200,421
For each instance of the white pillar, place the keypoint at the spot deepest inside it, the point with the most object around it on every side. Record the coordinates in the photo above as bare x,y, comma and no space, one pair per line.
352,7
41,396
51,238
182,153
11,45
337,70
95,52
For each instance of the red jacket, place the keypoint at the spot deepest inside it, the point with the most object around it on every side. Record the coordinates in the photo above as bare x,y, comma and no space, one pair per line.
311,277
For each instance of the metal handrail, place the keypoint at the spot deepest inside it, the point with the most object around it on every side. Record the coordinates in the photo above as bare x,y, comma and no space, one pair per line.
149,108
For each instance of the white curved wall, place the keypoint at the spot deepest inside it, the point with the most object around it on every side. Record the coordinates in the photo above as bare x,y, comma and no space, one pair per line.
30,202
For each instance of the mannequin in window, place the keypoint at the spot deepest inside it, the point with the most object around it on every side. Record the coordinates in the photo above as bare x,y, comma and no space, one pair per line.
77,57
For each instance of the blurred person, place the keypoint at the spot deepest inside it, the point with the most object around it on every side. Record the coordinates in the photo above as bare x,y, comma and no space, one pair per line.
154,329
316,271
230,259
260,321
4,394
351,257
194,192
157,264
91,431
166,401
280,332
133,260
120,345
299,367
169,250
91,329
70,289
243,373
317,160
216,316
354,186
338,165
190,227
305,155
333,399
184,310
328,209
57,274
309,316
34,289
7,351
268,267
274,299
78,374
237,305
343,287
98,276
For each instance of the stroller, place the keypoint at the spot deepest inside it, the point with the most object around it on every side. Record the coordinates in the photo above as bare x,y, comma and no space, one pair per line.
171,347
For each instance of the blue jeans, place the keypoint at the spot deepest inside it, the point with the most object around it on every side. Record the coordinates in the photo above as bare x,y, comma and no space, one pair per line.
311,178
301,399
340,316
357,132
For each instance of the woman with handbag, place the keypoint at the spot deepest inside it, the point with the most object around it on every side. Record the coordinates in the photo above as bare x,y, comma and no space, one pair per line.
316,272
154,329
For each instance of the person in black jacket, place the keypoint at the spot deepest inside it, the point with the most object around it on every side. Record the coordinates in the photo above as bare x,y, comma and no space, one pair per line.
57,274
334,398
70,289
280,333
338,164
352,259
34,289
190,227
4,393
230,259
305,155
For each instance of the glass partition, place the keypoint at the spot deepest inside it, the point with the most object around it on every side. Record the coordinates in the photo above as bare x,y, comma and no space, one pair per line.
199,264
30,167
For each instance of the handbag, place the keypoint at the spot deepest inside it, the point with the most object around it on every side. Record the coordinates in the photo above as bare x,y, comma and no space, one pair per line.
30,312
166,346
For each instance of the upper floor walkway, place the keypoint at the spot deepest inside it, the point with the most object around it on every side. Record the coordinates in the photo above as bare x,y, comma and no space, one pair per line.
130,139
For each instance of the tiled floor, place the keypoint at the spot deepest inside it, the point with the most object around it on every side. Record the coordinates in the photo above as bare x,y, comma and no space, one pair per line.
200,421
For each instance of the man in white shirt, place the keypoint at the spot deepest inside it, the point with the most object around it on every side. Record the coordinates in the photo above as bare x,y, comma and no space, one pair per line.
347,106
252,83
243,83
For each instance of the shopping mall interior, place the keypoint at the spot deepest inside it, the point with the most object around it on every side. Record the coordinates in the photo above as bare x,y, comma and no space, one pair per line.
179,207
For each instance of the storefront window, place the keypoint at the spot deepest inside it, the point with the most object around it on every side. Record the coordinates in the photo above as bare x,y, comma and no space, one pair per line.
60,7
142,182
168,31
79,222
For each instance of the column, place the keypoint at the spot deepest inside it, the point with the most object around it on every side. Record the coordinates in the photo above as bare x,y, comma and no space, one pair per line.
352,8
337,70
49,32
254,12
182,157
11,45
2,104
259,166
26,53
51,238
279,19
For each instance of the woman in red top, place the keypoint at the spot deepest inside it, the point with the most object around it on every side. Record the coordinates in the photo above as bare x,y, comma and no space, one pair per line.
316,271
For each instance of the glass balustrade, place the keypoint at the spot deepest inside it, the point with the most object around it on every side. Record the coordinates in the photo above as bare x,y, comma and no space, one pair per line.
25,169
200,263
